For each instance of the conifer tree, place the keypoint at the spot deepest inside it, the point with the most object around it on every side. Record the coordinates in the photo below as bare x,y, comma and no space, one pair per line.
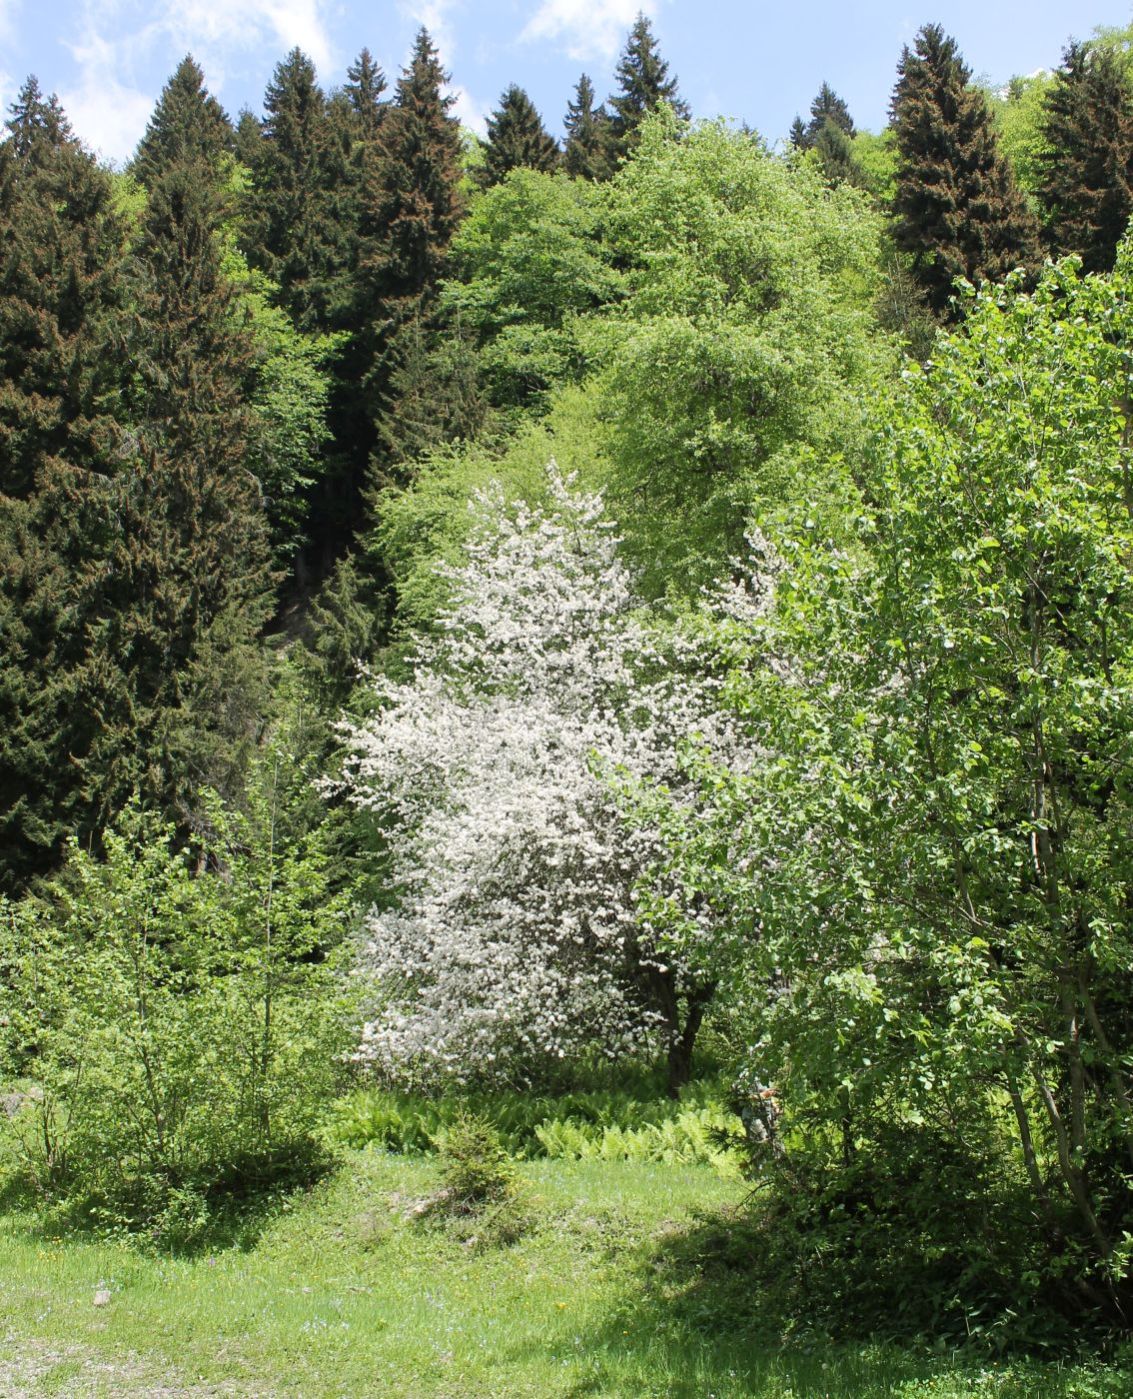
34,118
835,152
516,137
587,151
365,83
194,587
410,208
958,210
829,133
247,138
1087,168
798,134
291,235
436,395
644,84
413,204
188,123
61,303
828,106
59,291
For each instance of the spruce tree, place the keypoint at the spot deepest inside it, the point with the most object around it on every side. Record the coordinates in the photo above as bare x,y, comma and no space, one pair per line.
247,138
193,587
798,136
187,124
1087,171
957,209
835,152
516,138
291,235
644,84
62,298
59,293
436,395
412,201
33,118
587,152
828,107
365,83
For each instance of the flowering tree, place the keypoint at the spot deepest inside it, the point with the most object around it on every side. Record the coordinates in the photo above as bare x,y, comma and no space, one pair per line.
517,939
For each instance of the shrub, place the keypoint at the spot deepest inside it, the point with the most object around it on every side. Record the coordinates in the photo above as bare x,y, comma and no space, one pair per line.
181,1034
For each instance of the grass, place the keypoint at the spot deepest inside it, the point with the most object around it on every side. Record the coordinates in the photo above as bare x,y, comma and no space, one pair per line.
343,1295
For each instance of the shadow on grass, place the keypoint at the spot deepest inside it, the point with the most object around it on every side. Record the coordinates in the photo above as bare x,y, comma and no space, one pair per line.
694,1323
183,1214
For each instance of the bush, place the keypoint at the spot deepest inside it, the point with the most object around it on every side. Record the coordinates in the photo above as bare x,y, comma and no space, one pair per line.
477,1169
179,1034
904,1234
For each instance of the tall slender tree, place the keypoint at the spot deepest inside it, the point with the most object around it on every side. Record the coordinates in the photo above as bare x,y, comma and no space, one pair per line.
644,83
411,206
246,138
62,296
517,138
289,232
798,134
1087,164
365,84
412,200
957,209
829,133
828,106
192,565
188,123
60,292
587,152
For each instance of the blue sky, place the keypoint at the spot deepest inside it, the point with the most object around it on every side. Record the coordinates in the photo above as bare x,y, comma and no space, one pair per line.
755,61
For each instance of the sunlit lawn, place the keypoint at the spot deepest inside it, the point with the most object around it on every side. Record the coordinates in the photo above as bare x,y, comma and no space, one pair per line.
344,1296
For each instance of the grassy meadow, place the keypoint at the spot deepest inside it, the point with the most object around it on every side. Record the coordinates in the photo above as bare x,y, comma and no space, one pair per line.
612,1288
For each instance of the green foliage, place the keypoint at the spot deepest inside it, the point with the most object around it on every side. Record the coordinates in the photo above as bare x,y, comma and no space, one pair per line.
437,396
476,1168
188,124
289,232
747,336
875,156
289,395
587,153
63,426
526,262
427,522
179,1032
942,867
577,1125
412,206
1019,118
693,1137
913,1234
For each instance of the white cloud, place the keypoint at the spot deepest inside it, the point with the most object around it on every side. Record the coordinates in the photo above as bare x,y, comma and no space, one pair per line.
109,116
468,111
435,16
586,28
110,113
210,29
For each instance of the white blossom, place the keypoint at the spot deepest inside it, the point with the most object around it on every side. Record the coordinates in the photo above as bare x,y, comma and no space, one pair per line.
515,938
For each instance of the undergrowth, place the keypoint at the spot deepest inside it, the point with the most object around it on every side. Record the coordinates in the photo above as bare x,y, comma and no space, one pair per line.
592,1125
